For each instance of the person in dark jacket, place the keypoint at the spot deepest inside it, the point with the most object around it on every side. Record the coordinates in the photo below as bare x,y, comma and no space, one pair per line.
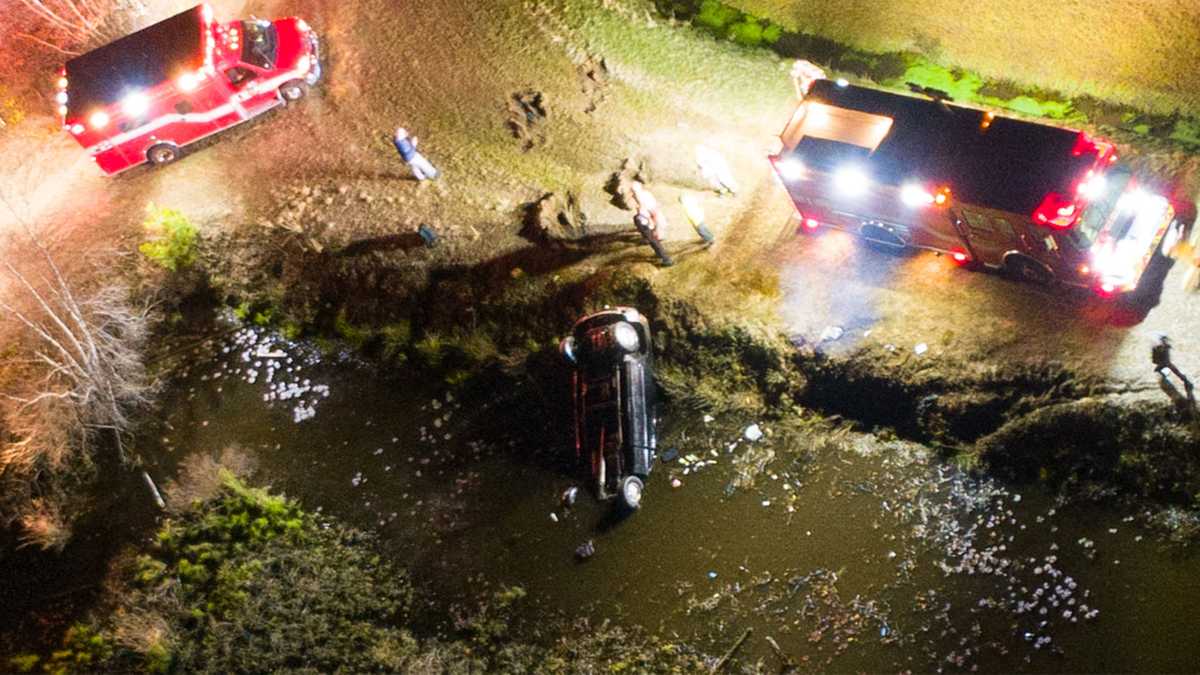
645,226
1160,355
407,147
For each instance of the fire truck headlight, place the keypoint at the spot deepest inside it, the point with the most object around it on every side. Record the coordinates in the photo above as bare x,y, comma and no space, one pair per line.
791,169
77,129
135,104
1092,188
98,120
914,195
61,97
188,82
843,82
851,181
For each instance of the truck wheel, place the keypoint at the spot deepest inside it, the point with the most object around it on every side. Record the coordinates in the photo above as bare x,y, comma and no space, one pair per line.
162,153
293,90
631,492
1027,270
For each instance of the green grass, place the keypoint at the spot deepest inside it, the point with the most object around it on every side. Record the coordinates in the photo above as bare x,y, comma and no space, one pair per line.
1143,54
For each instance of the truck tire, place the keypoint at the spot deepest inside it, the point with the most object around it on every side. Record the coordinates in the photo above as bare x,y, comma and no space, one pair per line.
293,90
162,153
1021,268
631,492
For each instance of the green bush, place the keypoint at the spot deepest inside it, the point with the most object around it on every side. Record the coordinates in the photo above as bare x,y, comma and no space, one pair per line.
747,32
715,16
960,85
173,238
354,336
1186,131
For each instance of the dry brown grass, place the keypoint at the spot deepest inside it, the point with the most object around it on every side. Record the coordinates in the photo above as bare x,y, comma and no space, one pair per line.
201,476
44,525
1144,53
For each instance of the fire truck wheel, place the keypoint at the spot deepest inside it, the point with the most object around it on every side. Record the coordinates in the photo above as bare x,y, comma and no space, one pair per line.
1027,270
293,90
162,153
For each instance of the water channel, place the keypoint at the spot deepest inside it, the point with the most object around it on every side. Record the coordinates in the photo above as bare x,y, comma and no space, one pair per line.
849,551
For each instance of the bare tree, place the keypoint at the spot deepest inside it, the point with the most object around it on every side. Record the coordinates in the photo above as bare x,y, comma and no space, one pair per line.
82,377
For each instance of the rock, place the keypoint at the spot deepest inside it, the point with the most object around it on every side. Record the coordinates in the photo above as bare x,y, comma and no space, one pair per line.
553,517
585,550
752,433
921,348
708,418
832,333
343,189
676,483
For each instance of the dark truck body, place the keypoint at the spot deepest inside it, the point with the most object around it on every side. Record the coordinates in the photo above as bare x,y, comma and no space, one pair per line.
1047,202
615,400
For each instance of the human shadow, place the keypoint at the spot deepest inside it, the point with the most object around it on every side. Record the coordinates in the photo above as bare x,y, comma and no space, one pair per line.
405,241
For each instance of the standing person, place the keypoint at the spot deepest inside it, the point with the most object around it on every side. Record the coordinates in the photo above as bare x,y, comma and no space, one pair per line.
645,226
1160,355
695,216
647,206
715,170
407,147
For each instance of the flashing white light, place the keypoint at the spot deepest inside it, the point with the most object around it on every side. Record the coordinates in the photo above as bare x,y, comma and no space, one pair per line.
188,82
1136,200
135,104
302,25
1092,188
61,97
98,120
914,195
62,111
62,83
843,82
851,181
791,169
626,336
77,128
206,13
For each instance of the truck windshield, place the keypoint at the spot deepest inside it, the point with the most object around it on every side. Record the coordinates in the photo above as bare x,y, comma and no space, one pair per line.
261,43
1100,210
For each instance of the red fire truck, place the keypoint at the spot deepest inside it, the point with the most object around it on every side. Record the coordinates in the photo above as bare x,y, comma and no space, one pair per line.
145,96
1042,202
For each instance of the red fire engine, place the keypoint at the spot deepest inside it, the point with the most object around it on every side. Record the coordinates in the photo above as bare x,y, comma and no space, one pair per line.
1039,201
145,96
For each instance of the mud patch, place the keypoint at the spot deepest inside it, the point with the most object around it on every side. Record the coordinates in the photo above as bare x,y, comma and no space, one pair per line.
618,185
593,81
526,115
555,217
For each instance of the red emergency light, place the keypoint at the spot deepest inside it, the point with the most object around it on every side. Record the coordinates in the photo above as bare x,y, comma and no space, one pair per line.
1056,211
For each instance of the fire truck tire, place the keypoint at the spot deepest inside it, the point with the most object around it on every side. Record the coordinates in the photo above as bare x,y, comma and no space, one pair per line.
1024,269
162,153
293,90
631,492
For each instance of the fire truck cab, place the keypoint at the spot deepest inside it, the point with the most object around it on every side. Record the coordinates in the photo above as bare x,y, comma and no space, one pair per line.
1042,202
147,95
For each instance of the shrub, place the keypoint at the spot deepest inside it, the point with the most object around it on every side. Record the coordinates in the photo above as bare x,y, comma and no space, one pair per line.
715,16
747,32
174,238
1187,131
355,336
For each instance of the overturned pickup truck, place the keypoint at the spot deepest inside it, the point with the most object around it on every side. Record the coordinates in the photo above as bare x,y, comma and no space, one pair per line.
615,400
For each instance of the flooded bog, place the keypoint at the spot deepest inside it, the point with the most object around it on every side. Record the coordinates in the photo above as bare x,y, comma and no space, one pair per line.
840,550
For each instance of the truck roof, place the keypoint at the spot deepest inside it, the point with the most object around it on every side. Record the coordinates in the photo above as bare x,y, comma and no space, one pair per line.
135,62
1006,164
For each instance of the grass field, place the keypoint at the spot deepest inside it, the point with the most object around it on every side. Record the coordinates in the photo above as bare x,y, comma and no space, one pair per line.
1144,53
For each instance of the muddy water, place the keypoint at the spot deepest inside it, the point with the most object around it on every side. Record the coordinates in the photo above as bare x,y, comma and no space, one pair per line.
849,552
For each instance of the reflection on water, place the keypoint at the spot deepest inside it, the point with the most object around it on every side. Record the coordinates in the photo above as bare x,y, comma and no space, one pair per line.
849,552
